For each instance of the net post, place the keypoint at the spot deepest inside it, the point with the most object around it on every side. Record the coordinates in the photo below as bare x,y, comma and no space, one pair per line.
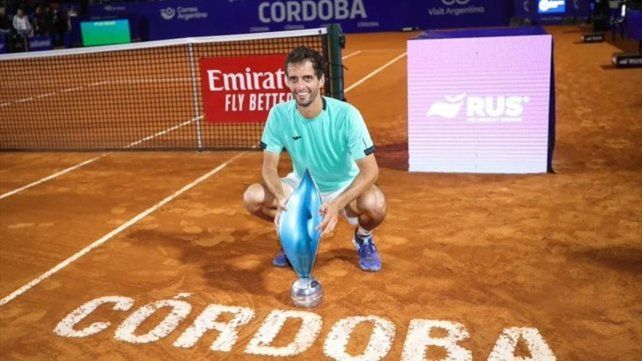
336,41
197,117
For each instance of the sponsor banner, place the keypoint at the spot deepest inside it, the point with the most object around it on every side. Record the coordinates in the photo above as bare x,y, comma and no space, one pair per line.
242,89
479,104
436,14
353,15
185,18
40,42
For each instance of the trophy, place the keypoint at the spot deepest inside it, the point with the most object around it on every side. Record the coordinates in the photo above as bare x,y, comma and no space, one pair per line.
300,240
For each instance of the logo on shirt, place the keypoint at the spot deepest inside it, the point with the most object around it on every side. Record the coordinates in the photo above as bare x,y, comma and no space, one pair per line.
296,137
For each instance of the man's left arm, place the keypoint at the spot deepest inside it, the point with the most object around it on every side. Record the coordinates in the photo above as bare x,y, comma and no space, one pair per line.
368,174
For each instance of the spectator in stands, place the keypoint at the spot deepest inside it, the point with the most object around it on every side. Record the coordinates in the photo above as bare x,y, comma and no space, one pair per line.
59,26
5,24
25,5
5,28
21,24
41,21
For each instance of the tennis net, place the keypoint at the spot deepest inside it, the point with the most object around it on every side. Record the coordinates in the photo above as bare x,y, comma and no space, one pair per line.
140,96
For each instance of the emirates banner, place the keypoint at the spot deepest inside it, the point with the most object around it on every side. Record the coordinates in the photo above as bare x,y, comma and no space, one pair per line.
242,89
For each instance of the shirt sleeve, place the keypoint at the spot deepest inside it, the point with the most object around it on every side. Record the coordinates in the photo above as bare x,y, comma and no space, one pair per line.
270,140
360,144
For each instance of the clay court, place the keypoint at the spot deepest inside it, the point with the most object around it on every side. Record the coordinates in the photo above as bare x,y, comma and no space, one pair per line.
547,266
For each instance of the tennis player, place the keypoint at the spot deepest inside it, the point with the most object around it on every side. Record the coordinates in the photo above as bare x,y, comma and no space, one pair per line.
330,139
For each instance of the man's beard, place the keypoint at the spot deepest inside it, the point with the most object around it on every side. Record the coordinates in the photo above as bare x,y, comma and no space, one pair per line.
303,104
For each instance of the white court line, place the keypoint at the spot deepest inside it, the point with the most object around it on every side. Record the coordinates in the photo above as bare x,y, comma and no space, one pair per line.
40,96
68,90
163,132
42,180
113,233
351,54
373,73
44,95
99,83
148,81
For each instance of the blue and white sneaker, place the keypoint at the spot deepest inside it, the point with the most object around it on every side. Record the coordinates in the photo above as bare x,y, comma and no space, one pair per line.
281,260
368,256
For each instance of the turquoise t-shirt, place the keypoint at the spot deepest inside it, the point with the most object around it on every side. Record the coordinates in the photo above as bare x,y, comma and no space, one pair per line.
328,145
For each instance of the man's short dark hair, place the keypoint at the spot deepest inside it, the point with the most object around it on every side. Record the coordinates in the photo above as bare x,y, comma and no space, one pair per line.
301,53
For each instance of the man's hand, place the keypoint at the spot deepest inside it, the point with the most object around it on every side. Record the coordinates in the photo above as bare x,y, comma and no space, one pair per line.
330,213
280,207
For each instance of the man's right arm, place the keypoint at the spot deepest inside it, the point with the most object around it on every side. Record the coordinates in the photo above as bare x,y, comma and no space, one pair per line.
273,183
271,177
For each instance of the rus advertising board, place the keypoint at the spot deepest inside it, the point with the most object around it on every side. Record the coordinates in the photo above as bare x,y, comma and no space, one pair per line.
242,89
479,105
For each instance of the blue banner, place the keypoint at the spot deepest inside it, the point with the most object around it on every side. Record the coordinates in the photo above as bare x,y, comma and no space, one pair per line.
184,18
40,42
176,19
3,44
353,15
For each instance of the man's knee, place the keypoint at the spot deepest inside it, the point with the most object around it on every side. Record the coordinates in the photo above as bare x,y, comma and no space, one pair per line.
373,203
254,197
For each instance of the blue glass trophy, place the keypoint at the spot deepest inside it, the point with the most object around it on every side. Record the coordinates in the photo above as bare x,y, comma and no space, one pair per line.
300,240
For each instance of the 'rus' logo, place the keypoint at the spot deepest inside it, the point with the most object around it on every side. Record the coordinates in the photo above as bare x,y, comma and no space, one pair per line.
448,109
480,109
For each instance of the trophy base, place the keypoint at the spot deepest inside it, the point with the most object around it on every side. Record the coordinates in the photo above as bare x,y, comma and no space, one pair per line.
306,292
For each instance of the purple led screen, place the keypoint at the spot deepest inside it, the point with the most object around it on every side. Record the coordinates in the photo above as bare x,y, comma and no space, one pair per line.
479,105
